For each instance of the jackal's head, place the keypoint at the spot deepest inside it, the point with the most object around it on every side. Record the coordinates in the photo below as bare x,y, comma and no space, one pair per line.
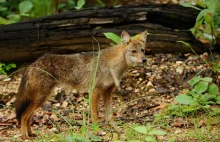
134,48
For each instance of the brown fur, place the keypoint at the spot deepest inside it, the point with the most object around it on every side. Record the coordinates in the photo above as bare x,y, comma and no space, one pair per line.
51,70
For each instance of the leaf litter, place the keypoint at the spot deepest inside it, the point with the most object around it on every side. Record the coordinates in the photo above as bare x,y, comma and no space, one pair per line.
144,91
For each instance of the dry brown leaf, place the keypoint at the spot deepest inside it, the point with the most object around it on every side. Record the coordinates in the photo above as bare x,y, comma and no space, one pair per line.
54,117
201,123
11,116
161,106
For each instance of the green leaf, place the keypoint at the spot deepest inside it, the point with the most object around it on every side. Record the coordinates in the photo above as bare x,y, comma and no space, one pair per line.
3,8
201,87
201,14
3,21
213,89
157,132
2,72
95,127
14,17
207,79
95,138
141,129
189,108
25,7
136,36
194,80
185,43
212,4
1,1
9,66
100,2
218,101
62,5
71,3
150,139
113,37
184,99
188,5
80,4
203,99
2,65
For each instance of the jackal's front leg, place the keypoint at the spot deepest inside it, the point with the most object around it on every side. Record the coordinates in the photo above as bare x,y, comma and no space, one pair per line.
95,104
107,97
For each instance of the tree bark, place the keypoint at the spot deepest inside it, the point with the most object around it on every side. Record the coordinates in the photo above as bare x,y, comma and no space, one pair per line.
72,31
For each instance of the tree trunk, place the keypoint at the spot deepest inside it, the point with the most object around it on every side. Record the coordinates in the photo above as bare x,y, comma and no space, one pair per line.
72,31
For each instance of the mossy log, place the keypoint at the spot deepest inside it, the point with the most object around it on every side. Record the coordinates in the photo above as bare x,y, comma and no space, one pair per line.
72,31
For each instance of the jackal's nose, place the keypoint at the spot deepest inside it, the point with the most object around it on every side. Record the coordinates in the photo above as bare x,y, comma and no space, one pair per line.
144,60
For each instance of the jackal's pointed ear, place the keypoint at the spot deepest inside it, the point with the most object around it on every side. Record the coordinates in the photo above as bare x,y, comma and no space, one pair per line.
143,37
125,38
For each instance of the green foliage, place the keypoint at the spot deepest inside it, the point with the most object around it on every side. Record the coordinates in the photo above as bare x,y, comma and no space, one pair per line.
116,38
86,134
100,2
42,8
70,4
207,24
148,133
5,68
25,7
113,37
198,100
203,94
12,11
80,4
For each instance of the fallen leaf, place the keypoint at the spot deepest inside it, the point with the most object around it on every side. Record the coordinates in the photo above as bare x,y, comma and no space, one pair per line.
179,122
162,105
201,123
54,117
11,116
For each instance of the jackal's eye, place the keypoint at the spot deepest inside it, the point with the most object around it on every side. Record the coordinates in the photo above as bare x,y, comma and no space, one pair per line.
133,51
142,49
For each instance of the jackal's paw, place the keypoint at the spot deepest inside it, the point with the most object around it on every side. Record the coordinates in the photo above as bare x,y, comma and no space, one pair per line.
32,135
95,119
25,137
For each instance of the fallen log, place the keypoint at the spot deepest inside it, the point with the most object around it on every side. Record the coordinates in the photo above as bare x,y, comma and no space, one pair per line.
72,31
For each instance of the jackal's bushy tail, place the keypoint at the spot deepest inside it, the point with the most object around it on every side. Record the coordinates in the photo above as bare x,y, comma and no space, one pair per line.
22,102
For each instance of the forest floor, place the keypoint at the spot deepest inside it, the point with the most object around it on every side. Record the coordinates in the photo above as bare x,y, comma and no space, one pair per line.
144,108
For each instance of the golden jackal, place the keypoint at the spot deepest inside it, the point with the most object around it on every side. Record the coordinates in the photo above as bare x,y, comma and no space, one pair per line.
74,70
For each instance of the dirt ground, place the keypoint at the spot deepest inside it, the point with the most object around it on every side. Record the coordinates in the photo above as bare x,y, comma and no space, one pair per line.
145,91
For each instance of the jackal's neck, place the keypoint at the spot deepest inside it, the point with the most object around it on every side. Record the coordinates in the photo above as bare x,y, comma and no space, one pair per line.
114,57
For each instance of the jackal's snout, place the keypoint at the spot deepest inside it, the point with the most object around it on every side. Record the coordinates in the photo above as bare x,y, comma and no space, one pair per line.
144,60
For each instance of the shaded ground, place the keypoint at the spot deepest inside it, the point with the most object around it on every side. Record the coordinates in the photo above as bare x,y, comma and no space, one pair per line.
145,90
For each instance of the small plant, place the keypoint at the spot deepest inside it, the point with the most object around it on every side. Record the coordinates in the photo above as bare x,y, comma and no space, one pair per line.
194,102
203,94
85,136
147,133
10,14
12,11
207,24
116,38
4,68
71,4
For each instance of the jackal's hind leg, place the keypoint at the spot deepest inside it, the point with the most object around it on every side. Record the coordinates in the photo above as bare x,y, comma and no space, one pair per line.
95,104
25,120
107,97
